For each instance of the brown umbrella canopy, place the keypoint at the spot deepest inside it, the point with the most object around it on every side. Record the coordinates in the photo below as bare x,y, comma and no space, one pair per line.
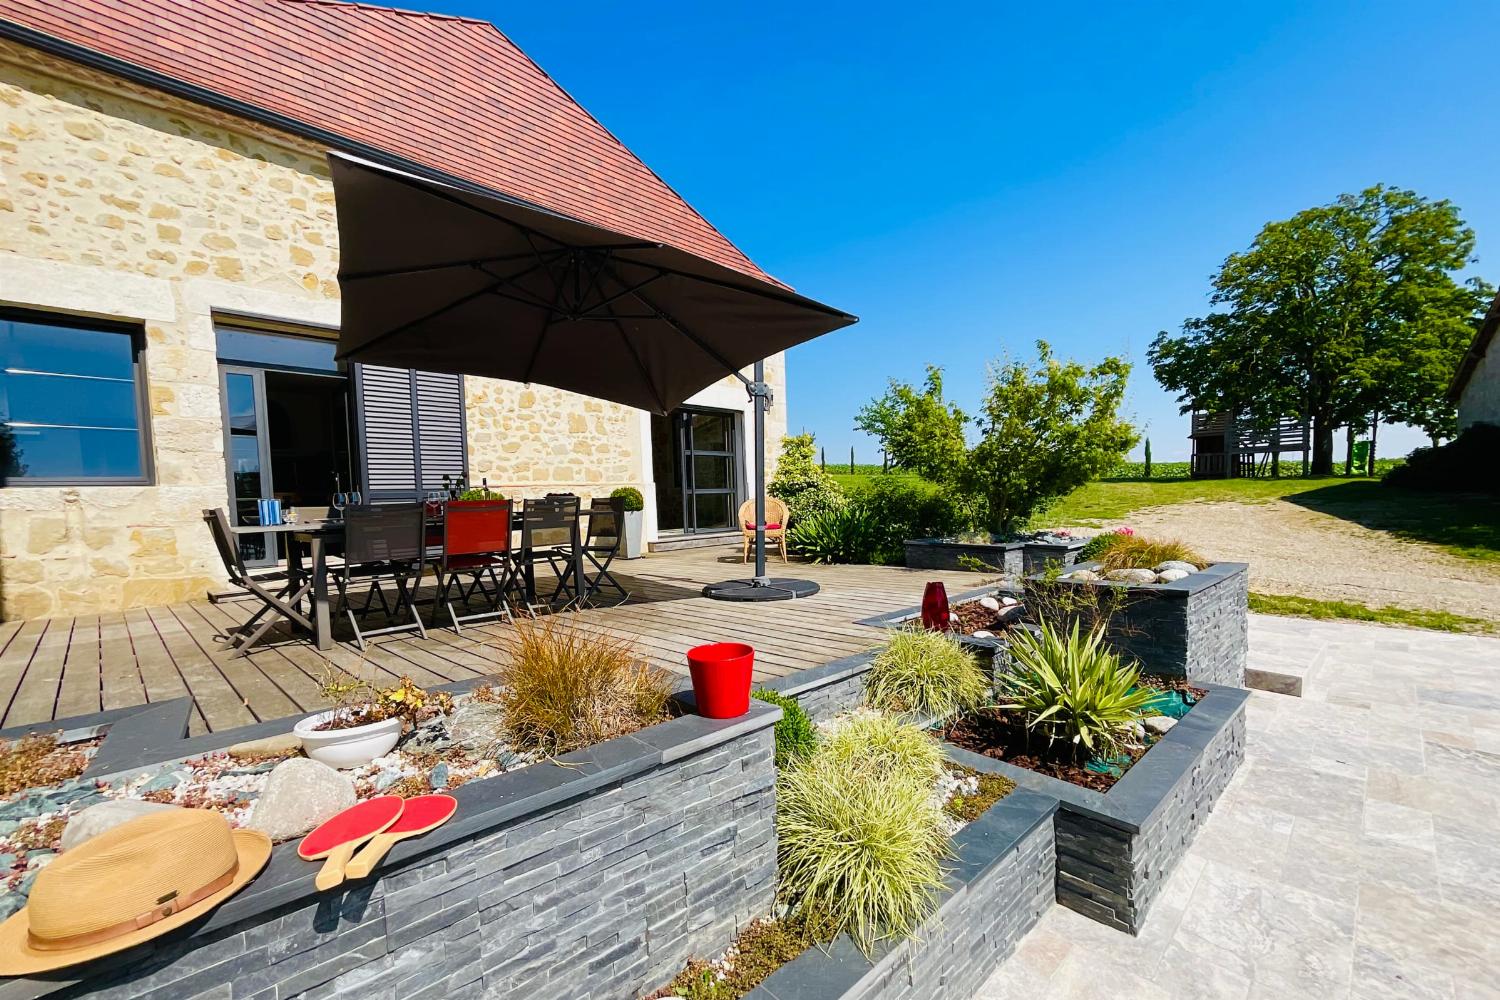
439,278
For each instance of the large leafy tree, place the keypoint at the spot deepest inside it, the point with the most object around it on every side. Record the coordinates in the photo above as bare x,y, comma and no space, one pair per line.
1340,313
1045,428
919,430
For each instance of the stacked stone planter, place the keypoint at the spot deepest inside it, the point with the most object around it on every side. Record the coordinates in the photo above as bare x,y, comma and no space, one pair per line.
1196,627
1000,884
1041,555
1115,850
951,553
596,875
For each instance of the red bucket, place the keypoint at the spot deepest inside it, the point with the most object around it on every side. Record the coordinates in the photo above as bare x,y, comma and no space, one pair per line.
721,678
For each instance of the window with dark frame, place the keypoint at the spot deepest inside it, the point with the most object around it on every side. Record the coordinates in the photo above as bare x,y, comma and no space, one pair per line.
72,402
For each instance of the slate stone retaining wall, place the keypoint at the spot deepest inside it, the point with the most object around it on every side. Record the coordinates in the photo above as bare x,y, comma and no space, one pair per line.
1000,885
1197,627
1115,850
948,553
597,876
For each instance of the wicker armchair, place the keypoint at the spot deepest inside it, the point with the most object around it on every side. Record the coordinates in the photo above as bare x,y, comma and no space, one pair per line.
777,517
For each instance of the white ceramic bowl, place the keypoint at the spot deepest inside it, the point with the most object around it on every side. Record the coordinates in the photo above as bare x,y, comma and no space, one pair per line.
345,748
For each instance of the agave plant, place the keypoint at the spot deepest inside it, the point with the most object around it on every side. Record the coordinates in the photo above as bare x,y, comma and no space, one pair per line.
1073,688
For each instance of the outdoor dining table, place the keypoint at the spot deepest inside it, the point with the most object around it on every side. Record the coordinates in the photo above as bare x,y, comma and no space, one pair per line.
310,539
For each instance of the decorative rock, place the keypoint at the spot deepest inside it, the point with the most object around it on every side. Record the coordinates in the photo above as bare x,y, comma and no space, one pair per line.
982,634
476,724
284,743
1171,575
1009,602
1131,576
106,816
989,603
1172,564
439,777
299,794
164,781
1082,576
1159,724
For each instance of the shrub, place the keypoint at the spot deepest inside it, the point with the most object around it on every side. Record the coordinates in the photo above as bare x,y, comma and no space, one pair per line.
850,533
564,688
884,745
630,498
801,483
1464,465
1094,547
927,673
863,850
1073,688
912,507
795,735
1133,551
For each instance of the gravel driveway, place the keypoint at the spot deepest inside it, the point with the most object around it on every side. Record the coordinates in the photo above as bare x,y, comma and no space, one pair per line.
1294,550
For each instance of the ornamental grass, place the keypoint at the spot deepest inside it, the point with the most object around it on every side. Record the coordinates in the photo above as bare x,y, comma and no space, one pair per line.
564,688
1123,551
862,849
925,673
884,745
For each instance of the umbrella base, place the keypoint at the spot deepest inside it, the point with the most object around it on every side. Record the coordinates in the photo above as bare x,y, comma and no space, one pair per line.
774,589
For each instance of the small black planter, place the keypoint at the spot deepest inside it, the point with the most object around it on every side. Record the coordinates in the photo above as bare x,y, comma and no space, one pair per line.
1040,555
952,553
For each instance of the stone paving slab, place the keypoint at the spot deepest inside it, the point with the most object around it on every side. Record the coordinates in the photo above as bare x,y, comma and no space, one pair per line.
1355,855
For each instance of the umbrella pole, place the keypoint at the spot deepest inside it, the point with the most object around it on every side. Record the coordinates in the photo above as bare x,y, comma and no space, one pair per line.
760,397
760,587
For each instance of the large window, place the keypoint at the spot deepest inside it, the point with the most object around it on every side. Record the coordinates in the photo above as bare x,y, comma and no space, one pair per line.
70,402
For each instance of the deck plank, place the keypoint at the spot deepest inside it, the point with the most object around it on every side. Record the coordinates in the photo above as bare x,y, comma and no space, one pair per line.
63,666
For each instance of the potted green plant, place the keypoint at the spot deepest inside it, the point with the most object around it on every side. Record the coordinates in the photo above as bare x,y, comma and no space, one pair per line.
365,722
630,503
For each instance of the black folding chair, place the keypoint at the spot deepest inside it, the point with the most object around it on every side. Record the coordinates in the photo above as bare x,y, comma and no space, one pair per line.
383,542
549,534
279,603
476,544
606,525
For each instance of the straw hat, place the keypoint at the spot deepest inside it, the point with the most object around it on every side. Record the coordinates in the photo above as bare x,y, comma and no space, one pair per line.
128,885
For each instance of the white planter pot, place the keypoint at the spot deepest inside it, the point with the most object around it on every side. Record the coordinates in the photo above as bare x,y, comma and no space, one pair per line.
634,521
345,748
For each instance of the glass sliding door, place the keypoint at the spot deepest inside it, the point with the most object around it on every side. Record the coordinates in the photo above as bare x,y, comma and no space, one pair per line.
711,460
247,452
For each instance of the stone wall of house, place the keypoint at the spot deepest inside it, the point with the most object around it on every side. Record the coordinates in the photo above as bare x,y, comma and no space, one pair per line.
1480,401
118,202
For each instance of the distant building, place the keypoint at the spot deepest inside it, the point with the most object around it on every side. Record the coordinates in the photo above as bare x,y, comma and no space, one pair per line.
1224,447
1476,386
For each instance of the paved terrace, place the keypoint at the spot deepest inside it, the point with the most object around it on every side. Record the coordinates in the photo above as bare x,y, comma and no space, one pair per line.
60,667
1353,856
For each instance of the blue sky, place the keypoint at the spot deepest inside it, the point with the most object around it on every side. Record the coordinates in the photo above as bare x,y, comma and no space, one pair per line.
968,178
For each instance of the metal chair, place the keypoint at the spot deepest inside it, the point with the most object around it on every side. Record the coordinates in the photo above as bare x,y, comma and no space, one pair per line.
382,541
606,527
549,533
476,544
279,604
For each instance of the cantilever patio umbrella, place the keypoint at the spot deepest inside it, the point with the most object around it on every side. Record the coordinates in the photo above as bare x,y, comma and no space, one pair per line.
446,278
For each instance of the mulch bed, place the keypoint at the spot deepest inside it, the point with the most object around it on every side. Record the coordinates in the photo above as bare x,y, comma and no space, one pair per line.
1001,735
974,617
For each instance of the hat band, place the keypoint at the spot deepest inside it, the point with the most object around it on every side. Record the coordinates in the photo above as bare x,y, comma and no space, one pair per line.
158,913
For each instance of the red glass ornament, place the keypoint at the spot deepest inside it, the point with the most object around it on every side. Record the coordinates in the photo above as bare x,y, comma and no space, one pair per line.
935,607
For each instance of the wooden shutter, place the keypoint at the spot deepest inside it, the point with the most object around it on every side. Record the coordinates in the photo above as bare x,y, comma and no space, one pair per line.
411,431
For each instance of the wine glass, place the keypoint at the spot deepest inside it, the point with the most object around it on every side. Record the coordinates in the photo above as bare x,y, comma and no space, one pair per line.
356,498
340,501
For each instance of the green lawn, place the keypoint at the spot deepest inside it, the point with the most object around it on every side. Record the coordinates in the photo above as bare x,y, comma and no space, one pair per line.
1112,499
1307,607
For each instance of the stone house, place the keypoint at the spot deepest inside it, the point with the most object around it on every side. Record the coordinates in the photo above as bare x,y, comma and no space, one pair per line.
1476,386
169,303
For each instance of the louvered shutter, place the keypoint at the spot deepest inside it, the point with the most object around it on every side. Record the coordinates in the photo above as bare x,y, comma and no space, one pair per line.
440,428
411,430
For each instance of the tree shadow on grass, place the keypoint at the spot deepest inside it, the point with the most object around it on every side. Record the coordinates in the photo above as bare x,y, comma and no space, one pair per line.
1466,524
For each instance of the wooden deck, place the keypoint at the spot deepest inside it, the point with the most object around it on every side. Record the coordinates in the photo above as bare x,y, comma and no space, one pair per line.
60,667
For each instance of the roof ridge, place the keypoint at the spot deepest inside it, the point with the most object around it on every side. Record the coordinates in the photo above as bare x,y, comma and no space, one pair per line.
628,151
386,9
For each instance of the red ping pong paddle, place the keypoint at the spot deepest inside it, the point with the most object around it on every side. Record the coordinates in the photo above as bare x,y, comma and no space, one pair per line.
422,813
337,837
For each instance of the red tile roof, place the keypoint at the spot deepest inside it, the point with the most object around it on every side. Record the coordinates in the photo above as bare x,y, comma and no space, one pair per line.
446,92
